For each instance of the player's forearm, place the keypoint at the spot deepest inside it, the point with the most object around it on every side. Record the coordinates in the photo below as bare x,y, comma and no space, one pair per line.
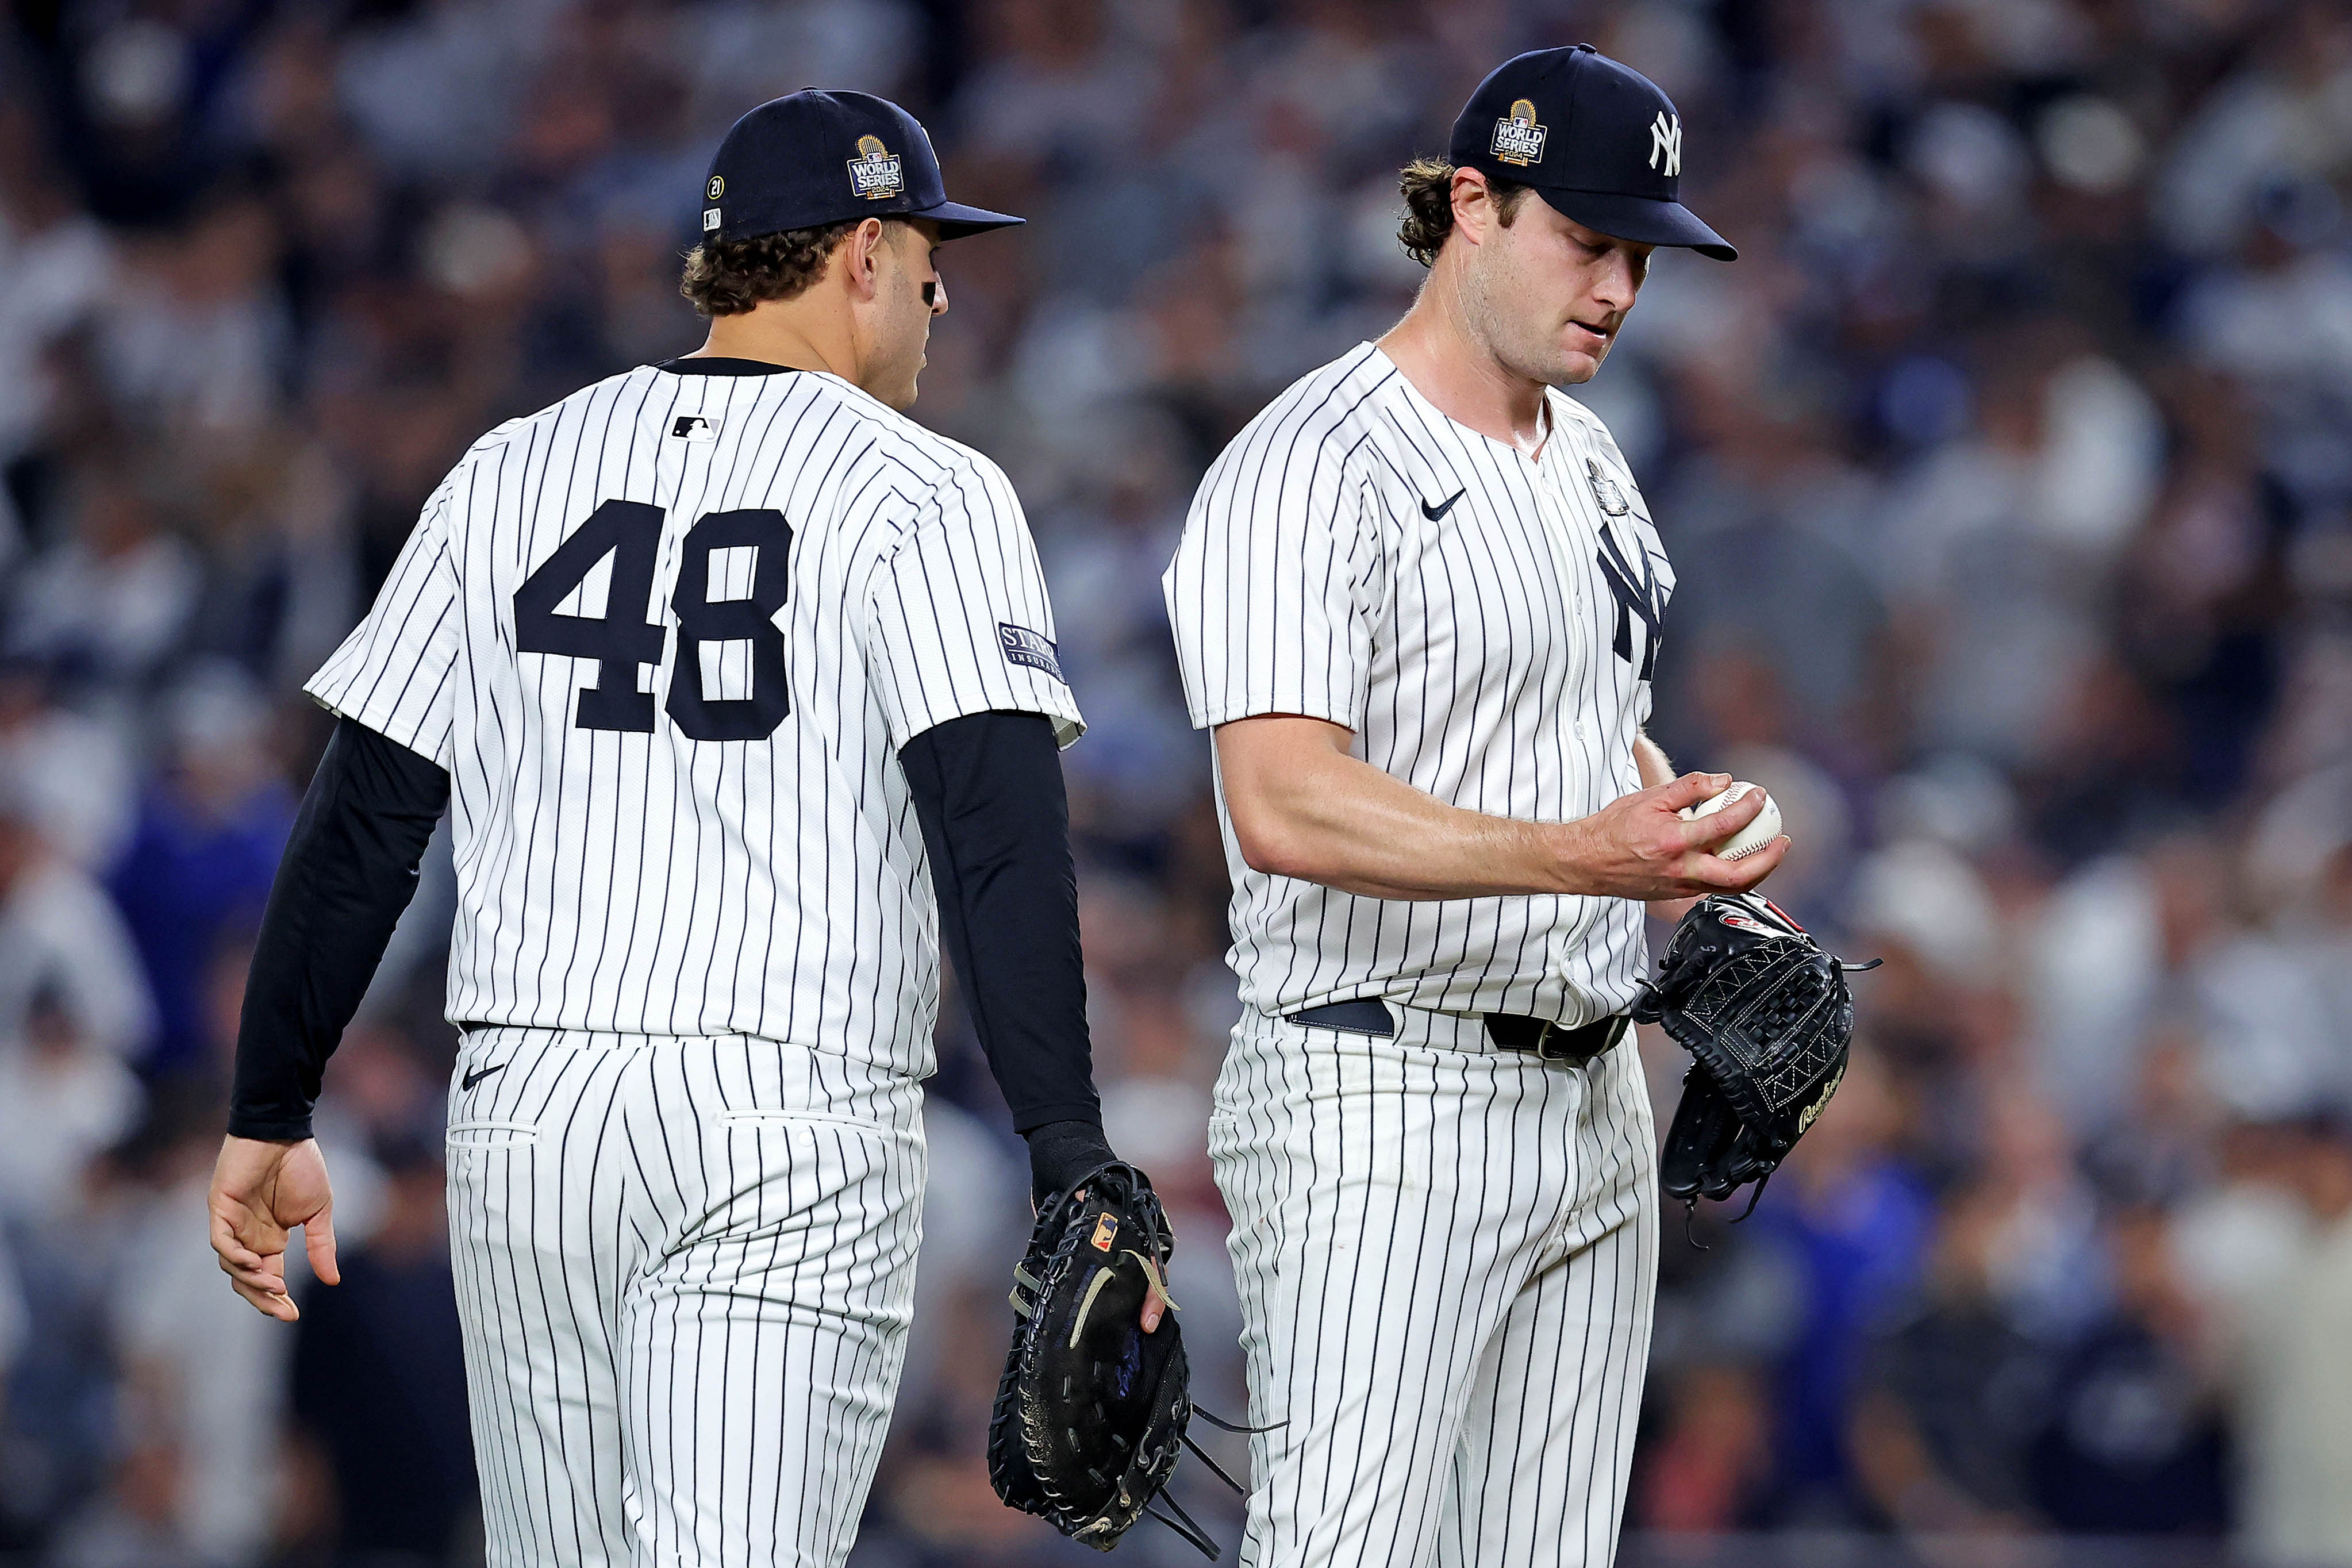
995,821
1302,806
349,871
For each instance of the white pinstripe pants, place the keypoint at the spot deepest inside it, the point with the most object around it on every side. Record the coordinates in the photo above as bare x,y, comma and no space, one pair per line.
1447,1257
685,1270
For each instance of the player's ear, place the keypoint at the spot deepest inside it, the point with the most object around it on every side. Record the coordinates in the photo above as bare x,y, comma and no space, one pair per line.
861,255
1473,203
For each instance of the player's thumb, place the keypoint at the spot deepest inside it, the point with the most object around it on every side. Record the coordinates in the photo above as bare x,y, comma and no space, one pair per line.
1692,788
319,1241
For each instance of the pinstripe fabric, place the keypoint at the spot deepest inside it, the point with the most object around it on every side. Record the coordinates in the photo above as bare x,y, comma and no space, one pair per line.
1446,1253
651,882
1447,1259
684,1268
1478,654
685,1248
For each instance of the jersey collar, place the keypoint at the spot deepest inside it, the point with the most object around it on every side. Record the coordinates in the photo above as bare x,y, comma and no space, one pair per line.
716,365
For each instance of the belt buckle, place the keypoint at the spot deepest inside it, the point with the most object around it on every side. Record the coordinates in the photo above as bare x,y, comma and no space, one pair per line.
1550,1031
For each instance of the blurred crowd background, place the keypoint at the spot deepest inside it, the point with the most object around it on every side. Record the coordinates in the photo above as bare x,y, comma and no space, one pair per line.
2008,475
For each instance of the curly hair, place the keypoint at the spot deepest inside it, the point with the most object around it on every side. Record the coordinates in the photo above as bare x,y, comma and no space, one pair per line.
1428,187
728,277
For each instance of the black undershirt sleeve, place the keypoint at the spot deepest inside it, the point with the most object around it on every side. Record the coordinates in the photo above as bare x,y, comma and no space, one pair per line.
350,869
996,823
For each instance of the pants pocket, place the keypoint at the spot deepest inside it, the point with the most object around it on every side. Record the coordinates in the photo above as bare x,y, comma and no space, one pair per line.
754,1120
492,1135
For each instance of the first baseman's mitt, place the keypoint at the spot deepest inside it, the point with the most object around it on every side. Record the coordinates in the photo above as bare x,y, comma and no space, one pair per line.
1091,1408
1769,1022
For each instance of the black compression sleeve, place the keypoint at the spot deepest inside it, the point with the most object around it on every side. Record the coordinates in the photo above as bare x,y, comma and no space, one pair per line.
996,822
350,868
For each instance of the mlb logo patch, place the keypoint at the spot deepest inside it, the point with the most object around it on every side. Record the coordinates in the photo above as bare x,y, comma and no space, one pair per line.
694,428
1106,1229
1023,646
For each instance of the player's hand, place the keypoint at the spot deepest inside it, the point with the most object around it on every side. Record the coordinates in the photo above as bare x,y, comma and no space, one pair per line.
260,1192
1155,1305
1640,846
1060,1154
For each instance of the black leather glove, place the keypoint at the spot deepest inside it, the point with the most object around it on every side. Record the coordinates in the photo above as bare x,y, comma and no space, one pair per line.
1769,1022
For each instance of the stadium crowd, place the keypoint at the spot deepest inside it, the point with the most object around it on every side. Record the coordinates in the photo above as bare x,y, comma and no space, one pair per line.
2008,474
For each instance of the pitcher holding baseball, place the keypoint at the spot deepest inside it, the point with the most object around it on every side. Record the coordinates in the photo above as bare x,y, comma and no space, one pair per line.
1418,602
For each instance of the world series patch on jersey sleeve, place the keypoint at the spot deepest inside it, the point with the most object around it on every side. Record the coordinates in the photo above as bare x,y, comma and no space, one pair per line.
667,637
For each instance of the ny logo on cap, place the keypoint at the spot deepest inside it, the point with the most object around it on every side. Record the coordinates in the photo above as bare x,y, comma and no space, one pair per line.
1518,139
1666,143
876,173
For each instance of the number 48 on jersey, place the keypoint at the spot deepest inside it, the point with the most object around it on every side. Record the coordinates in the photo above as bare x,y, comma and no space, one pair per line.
630,532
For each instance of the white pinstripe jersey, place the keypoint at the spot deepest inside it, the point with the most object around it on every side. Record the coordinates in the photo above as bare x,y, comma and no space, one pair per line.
667,637
1486,624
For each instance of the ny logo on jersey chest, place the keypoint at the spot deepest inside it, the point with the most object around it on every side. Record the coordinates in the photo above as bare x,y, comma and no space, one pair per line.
1639,596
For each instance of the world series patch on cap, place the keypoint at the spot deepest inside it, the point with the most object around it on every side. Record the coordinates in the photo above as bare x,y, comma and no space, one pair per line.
1599,140
813,157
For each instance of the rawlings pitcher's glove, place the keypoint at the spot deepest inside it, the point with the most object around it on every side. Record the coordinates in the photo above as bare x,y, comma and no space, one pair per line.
1091,1408
1769,1022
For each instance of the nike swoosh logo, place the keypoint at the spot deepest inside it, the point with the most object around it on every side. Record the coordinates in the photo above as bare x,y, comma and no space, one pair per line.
477,1076
1434,512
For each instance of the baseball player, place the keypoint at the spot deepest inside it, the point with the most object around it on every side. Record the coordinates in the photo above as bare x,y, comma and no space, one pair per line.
1418,599
741,686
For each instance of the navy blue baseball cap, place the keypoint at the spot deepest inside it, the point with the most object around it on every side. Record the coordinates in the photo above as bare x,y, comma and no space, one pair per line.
812,158
1599,140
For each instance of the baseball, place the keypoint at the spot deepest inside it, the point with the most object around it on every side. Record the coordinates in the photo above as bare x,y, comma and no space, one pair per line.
1750,839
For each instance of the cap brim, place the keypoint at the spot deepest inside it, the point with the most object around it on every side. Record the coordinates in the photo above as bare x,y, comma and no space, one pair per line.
956,220
1645,219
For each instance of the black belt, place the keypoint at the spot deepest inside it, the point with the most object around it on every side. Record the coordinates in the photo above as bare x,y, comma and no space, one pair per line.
1510,1031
